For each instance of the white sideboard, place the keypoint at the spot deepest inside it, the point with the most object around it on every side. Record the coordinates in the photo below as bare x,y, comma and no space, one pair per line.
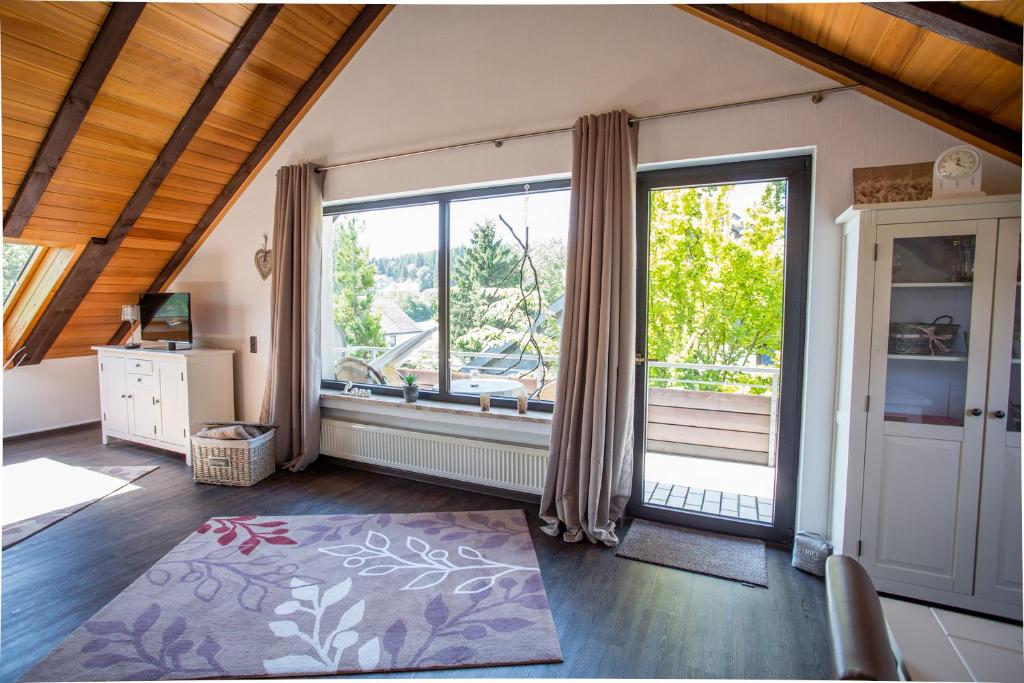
927,460
159,398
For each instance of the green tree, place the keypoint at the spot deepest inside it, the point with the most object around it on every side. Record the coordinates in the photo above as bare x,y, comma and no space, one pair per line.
16,257
716,281
354,277
487,264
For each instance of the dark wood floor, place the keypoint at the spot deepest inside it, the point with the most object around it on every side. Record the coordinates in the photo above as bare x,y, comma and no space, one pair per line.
615,617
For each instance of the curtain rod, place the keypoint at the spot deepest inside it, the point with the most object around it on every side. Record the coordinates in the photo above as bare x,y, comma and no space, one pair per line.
816,96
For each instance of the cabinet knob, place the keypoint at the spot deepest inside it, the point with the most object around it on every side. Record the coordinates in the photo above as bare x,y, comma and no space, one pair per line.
139,379
975,412
999,414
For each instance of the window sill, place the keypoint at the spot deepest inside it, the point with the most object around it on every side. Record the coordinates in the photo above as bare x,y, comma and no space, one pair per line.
388,404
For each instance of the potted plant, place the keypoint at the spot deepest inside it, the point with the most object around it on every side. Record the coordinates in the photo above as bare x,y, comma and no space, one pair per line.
409,388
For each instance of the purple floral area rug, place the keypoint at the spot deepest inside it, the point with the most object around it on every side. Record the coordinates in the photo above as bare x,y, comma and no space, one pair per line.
115,478
301,596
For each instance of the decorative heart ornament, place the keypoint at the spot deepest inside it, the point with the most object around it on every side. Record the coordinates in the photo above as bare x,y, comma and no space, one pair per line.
263,263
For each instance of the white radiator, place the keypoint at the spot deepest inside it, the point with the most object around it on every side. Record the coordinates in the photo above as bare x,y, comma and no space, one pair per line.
517,468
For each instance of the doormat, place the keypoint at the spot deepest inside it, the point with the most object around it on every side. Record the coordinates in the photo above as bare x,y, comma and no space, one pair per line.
727,557
39,493
246,597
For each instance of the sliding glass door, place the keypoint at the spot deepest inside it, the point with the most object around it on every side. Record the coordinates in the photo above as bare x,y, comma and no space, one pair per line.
721,300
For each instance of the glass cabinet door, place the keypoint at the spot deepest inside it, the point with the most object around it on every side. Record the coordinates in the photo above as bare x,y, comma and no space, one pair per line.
1013,414
932,291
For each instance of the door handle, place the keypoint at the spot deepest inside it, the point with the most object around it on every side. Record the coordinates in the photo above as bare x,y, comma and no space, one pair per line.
999,414
974,412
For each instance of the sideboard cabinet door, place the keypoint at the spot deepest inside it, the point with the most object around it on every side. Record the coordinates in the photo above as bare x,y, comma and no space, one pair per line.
173,408
113,395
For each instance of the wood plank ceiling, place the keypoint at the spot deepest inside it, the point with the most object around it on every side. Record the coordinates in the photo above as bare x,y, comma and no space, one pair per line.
130,192
128,173
968,91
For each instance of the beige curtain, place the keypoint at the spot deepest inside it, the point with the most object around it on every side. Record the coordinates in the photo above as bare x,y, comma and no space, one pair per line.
292,396
590,462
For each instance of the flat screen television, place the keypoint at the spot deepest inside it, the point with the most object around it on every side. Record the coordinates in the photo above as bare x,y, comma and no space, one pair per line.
166,317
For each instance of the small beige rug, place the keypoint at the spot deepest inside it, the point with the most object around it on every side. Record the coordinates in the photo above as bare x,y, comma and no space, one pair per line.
728,557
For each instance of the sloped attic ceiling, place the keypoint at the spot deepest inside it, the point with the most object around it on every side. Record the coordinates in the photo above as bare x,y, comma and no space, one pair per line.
129,128
956,66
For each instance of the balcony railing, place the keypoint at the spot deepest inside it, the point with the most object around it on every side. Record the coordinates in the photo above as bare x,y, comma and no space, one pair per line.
721,412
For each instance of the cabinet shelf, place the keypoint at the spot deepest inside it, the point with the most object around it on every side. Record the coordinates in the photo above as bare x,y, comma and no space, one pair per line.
919,285
950,357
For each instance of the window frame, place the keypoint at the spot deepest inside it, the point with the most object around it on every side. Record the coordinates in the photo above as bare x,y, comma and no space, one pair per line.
27,272
443,201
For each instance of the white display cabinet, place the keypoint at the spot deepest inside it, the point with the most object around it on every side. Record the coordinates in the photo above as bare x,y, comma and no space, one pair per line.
926,472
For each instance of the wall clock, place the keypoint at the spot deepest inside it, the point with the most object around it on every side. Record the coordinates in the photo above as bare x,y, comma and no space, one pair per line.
957,173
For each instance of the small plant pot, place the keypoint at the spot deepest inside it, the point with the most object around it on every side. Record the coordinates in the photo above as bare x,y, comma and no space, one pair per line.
411,393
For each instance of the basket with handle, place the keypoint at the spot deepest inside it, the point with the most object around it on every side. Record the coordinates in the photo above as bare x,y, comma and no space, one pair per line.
233,462
923,339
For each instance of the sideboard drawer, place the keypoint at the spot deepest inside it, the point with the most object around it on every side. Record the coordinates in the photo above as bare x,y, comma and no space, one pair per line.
139,367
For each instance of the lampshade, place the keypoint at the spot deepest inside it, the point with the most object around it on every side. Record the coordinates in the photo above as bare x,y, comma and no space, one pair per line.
129,313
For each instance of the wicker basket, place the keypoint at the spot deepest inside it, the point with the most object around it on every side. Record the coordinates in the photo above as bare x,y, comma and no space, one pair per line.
810,550
923,339
240,462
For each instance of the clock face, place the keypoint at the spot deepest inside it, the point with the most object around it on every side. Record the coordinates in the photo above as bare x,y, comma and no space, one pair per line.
957,164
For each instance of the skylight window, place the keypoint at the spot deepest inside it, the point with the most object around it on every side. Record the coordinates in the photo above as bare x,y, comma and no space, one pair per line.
17,258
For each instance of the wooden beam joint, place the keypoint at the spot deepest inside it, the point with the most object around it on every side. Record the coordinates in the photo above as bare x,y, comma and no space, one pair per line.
364,23
106,47
962,24
100,251
931,108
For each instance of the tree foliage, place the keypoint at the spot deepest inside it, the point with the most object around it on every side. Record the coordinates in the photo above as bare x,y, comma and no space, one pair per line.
715,281
16,257
354,286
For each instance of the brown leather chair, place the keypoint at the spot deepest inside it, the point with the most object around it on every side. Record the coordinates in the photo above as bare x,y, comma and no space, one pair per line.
861,646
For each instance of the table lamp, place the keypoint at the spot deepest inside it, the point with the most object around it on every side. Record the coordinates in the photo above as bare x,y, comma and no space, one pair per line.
130,314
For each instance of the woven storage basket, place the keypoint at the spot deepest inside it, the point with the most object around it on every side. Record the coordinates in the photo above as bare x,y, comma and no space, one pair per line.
241,462
810,550
924,339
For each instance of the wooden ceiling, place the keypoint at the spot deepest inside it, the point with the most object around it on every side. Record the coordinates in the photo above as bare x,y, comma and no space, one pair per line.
956,66
129,129
129,146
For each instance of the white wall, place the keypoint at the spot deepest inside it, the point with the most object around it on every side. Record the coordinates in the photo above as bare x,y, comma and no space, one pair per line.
54,393
433,75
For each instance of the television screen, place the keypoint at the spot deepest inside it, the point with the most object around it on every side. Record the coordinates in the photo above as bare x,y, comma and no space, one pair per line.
166,317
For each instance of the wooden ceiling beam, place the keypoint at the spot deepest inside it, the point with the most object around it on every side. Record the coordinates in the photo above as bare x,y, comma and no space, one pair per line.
106,47
99,251
962,24
964,124
353,38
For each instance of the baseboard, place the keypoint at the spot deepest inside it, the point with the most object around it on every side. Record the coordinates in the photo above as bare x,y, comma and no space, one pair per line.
78,426
519,496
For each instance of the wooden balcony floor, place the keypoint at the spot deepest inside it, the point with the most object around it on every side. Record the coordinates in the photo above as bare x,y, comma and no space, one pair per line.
722,503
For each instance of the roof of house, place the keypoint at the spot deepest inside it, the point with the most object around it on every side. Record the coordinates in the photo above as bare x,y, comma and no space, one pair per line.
393,320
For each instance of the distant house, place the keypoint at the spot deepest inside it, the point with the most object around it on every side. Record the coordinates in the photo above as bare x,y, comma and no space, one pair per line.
394,322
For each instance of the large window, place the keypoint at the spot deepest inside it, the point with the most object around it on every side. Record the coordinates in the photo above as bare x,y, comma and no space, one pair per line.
477,273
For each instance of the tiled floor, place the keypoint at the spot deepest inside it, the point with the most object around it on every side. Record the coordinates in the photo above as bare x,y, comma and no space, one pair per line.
709,501
942,645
